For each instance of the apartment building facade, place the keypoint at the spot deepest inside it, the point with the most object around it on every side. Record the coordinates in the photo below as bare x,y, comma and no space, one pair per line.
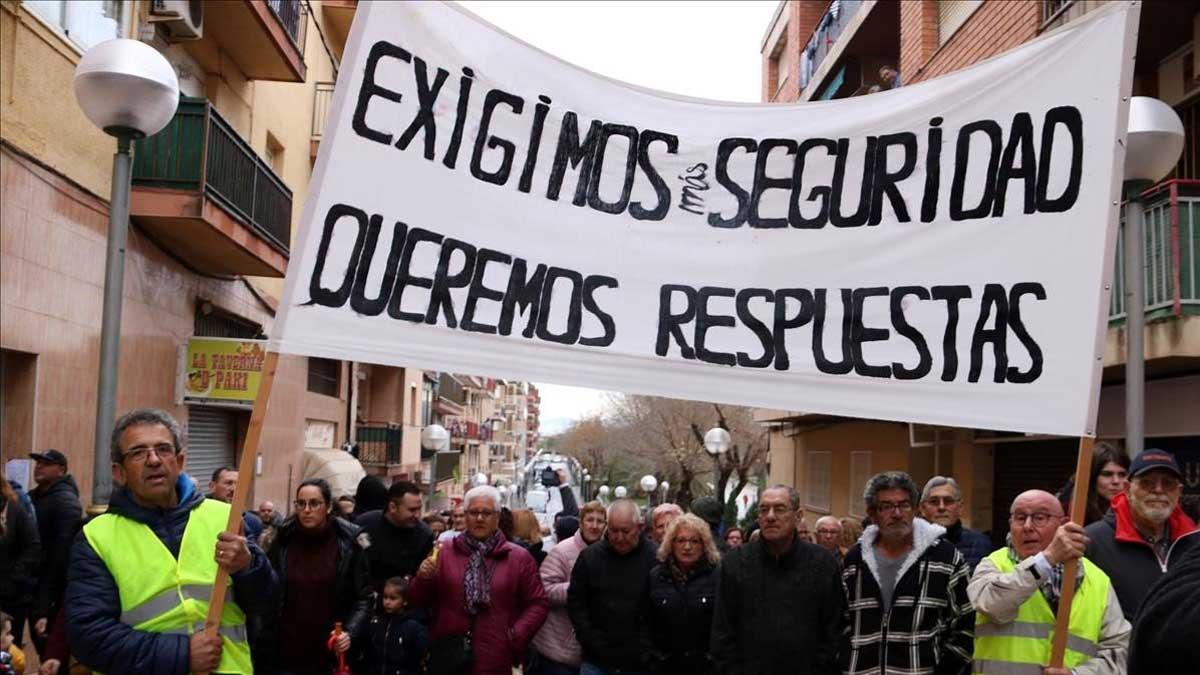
820,50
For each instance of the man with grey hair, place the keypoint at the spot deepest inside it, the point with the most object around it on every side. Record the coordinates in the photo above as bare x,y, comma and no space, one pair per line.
941,504
780,601
829,535
608,585
907,590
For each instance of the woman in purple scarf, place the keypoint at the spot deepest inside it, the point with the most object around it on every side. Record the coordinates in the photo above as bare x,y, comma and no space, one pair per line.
477,586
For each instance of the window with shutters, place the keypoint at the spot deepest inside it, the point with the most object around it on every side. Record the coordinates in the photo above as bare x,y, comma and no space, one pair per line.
324,376
952,14
860,473
819,475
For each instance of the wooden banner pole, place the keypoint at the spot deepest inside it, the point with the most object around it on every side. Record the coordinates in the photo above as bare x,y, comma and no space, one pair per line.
216,602
1079,496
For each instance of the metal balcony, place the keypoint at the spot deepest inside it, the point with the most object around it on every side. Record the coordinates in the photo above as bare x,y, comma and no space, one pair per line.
379,443
1172,253
203,193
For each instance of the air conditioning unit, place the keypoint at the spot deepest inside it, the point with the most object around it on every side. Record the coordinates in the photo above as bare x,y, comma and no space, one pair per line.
182,19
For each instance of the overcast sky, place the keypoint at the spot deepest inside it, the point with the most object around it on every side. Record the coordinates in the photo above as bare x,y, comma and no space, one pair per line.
701,49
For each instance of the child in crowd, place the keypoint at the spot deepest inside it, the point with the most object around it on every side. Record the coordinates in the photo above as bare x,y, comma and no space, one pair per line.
397,638
12,660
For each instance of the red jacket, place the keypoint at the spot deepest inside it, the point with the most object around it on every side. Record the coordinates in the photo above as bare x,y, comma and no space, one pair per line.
504,629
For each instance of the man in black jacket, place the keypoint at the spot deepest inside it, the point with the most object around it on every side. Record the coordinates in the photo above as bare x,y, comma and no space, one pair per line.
1164,637
780,601
604,600
59,513
399,541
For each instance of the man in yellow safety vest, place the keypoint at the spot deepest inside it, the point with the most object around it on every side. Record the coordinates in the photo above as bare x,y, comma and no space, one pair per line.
141,575
1015,592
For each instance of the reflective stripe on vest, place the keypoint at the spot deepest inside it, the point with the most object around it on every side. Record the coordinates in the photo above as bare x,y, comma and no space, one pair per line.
1022,646
162,594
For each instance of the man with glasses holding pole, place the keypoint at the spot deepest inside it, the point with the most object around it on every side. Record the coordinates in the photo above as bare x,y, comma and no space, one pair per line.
1142,534
141,575
1016,590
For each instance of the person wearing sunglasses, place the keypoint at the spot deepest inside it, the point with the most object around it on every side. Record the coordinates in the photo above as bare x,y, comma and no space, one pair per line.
682,598
324,579
1142,534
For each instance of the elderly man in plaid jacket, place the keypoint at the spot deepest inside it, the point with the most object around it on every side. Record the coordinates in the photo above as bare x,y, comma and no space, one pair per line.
908,611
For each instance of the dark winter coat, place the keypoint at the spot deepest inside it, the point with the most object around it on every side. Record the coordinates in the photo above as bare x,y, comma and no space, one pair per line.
20,555
778,615
503,630
394,551
930,626
605,601
59,515
972,544
395,644
1118,549
352,593
93,604
1164,635
680,620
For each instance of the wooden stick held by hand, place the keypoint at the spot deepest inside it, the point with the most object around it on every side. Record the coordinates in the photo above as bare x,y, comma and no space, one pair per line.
216,603
1079,496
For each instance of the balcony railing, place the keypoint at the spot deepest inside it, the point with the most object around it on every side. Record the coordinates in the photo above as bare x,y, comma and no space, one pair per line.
322,96
199,151
379,443
451,389
824,36
1172,253
291,16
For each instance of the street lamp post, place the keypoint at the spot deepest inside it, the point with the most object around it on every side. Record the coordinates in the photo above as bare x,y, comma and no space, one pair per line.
620,492
128,89
603,493
649,484
434,437
1152,146
716,443
666,490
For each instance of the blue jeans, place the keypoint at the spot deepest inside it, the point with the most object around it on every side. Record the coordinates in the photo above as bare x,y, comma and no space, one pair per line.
593,669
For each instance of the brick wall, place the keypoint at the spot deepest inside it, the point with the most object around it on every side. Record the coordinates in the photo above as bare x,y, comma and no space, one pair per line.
795,25
993,29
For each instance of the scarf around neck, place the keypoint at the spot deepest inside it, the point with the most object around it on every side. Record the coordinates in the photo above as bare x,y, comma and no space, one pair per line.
477,585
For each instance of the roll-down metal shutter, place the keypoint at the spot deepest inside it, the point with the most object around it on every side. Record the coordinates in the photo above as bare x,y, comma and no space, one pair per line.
211,442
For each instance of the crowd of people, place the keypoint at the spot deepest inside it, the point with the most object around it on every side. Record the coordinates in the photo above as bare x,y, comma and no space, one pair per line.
374,584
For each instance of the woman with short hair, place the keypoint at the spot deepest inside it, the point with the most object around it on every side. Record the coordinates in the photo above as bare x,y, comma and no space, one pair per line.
682,596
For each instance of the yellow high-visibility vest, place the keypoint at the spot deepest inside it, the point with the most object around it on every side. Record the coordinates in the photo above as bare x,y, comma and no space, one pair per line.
1022,646
160,594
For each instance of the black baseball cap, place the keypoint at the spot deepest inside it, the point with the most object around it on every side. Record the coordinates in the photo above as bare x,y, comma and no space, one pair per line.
1153,458
50,456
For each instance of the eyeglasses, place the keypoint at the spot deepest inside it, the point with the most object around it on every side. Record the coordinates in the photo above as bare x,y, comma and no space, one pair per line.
941,501
480,514
686,541
308,504
1039,519
140,453
1164,483
899,507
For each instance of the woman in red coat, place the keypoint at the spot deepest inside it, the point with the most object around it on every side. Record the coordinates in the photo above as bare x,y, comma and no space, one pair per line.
482,585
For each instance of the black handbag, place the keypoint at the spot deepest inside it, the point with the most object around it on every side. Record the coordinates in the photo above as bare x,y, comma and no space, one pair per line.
451,655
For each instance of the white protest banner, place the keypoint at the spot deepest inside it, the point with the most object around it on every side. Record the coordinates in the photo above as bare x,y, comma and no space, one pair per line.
939,253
